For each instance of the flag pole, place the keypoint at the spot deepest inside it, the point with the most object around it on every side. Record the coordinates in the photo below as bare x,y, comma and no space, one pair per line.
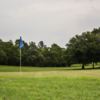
20,46
20,60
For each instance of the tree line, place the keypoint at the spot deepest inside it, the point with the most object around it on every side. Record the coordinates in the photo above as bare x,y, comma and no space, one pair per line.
32,54
81,49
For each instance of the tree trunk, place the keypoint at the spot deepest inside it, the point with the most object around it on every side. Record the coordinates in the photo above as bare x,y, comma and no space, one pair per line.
93,65
82,66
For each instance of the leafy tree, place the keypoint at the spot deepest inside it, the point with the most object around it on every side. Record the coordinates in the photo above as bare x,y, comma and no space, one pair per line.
57,55
84,48
3,57
32,54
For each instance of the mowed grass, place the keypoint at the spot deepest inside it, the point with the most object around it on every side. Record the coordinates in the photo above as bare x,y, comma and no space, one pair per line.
49,88
33,69
49,83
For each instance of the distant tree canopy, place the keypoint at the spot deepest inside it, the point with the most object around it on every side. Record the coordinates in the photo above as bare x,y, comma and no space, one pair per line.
81,49
32,54
84,49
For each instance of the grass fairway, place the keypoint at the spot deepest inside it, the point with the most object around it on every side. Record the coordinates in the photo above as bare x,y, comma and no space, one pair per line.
49,84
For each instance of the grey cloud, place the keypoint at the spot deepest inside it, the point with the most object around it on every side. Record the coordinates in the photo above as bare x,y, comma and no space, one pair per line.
48,20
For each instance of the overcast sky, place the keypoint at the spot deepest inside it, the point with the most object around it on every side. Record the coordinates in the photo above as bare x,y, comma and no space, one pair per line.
53,21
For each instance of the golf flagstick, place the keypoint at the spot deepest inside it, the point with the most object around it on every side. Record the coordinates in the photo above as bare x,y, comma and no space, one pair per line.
20,46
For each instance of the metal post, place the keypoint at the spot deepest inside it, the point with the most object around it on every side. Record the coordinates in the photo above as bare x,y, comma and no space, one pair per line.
20,60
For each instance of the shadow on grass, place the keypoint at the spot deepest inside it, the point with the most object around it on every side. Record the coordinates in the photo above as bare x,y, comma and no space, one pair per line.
37,69
96,68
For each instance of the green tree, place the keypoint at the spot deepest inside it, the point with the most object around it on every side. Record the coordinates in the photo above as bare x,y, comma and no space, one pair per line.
77,50
84,48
